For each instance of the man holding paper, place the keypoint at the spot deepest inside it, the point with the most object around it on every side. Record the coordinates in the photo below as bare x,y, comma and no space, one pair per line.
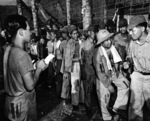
20,78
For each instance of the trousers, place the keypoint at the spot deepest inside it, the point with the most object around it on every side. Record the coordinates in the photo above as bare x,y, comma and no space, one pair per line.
103,97
140,95
122,85
75,83
72,84
21,108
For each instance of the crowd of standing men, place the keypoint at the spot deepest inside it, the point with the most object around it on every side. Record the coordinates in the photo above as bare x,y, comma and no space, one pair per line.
114,62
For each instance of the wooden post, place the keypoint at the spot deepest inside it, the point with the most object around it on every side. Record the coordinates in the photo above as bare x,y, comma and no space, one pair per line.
117,25
43,12
68,12
149,8
105,11
34,14
19,7
86,13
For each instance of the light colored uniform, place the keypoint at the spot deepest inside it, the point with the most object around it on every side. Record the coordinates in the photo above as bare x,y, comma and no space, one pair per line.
73,68
140,79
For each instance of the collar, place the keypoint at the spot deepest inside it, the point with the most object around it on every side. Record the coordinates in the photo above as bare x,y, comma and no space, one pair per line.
89,40
139,43
73,41
146,40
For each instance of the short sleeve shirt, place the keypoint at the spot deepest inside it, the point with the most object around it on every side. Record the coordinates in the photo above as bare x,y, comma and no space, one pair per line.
140,55
19,63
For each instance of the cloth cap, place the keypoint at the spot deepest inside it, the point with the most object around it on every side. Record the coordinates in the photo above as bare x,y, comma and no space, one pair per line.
91,28
136,20
123,23
71,28
64,29
81,31
103,35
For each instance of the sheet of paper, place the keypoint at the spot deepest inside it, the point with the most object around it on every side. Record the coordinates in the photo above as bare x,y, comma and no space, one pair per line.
58,44
33,61
49,58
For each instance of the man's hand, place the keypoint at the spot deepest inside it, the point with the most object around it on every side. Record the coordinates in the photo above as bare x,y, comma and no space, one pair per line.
126,65
41,65
111,89
109,73
66,75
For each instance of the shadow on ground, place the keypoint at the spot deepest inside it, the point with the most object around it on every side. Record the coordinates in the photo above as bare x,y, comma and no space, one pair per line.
51,108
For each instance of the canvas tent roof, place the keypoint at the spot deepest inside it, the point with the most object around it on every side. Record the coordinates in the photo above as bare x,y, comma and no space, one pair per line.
12,2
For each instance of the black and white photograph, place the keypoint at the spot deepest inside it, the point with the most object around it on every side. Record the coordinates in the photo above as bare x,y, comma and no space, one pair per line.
74,60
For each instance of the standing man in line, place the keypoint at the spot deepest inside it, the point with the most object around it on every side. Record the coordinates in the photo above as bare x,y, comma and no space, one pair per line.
87,53
122,39
20,78
51,35
72,68
121,42
140,79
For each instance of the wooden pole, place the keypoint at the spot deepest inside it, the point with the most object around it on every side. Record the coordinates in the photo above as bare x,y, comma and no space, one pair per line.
149,8
86,13
68,12
118,19
105,11
19,7
34,14
43,12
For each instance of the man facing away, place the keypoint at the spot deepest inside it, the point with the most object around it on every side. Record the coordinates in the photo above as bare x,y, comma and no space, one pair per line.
20,78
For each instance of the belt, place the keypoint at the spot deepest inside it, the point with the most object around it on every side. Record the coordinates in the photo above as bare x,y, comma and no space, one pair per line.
144,73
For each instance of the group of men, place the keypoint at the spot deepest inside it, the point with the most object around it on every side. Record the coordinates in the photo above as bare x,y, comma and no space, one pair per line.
121,60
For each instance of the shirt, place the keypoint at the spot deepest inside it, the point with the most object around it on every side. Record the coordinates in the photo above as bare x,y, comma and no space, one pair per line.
41,47
68,56
50,47
76,52
140,55
122,44
62,47
87,52
57,51
102,71
19,63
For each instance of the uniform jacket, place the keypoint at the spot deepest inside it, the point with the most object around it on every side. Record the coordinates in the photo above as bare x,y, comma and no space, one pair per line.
68,56
102,72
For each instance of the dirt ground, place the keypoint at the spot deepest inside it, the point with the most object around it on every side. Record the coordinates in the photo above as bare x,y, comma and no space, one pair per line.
50,107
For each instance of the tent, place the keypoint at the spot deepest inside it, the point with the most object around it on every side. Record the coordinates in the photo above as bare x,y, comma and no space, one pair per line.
12,2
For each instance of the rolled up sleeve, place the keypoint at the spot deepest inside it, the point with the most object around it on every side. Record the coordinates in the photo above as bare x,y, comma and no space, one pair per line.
25,64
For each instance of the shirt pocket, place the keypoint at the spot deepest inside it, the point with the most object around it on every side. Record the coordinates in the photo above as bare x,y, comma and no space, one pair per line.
143,62
147,63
